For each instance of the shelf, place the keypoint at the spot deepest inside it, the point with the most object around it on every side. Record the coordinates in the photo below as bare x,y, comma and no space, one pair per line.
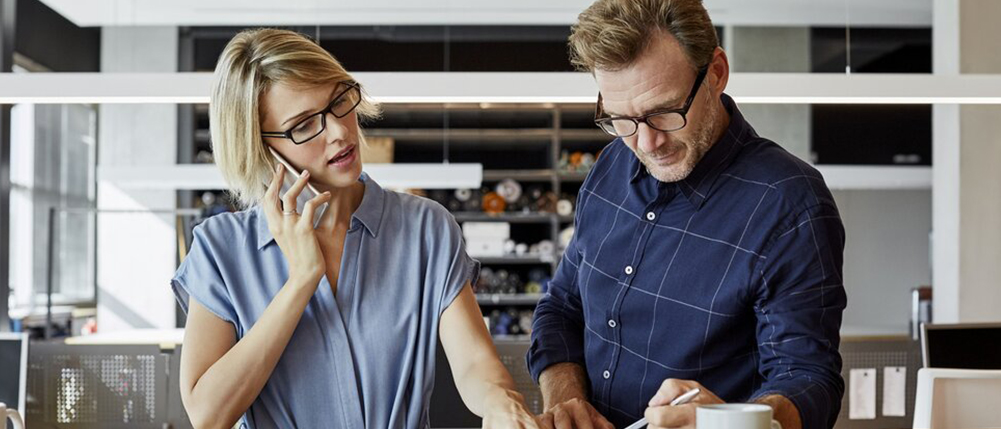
515,87
208,176
572,177
512,338
503,217
575,134
876,177
203,136
514,260
527,135
521,175
508,299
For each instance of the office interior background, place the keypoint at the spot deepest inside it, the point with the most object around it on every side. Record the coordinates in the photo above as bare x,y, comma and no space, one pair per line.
106,163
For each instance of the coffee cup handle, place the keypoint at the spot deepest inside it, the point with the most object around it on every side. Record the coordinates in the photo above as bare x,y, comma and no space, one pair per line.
776,424
14,417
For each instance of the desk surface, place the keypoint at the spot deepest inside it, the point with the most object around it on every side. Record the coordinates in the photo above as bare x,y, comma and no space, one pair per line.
165,338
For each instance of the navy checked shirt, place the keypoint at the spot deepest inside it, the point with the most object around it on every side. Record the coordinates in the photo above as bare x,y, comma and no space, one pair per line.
730,277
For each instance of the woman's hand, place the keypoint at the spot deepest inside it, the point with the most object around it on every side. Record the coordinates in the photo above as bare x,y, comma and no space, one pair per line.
506,409
294,231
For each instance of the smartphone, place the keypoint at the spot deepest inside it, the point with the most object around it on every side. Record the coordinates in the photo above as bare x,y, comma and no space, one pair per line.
308,192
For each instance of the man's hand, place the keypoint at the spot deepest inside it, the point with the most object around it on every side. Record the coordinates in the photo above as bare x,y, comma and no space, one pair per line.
573,414
660,414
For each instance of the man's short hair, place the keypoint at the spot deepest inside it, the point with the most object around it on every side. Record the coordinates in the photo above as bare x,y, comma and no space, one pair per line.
610,34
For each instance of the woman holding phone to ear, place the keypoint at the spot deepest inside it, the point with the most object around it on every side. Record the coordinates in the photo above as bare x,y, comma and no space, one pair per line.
333,325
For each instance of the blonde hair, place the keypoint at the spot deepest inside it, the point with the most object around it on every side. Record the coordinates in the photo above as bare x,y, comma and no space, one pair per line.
251,63
610,34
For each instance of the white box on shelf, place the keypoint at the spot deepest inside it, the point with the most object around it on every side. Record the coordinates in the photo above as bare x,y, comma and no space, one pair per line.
492,230
484,247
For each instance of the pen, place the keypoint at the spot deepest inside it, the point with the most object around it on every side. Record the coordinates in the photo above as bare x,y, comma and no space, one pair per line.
680,400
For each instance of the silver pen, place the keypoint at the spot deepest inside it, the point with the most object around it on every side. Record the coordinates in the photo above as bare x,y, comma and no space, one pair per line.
680,400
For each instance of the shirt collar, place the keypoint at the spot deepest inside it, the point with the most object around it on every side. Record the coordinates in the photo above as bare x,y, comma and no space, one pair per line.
698,184
368,214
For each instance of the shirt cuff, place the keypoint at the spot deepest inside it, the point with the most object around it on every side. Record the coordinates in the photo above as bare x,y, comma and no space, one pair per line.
818,403
552,348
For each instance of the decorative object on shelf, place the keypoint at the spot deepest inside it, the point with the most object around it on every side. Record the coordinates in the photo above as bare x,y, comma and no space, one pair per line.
587,161
204,157
521,249
510,321
523,205
509,246
377,150
546,249
499,281
509,190
533,287
576,162
493,203
416,192
213,205
486,239
565,236
564,207
545,202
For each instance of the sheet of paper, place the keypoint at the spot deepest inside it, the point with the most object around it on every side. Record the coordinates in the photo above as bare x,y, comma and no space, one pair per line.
894,391
862,394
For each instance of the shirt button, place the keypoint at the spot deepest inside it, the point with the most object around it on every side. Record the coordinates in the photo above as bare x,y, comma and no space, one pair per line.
650,216
606,374
629,269
611,323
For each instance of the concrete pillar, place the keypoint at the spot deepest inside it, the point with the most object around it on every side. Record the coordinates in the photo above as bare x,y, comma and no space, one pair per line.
885,227
967,182
774,50
137,252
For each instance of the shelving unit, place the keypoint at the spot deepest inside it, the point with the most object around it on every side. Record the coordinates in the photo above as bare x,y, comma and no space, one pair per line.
522,142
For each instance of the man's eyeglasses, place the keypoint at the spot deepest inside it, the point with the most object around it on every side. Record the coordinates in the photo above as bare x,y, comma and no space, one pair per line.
661,120
311,126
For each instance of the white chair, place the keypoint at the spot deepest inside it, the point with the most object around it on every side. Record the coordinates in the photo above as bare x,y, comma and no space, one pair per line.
958,398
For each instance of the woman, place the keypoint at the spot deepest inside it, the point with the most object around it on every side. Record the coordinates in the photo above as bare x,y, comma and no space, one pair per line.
333,325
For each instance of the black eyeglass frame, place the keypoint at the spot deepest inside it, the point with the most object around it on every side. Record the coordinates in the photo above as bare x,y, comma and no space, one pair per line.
287,134
600,118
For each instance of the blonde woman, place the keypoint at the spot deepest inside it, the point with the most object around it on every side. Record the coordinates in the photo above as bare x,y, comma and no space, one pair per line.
333,325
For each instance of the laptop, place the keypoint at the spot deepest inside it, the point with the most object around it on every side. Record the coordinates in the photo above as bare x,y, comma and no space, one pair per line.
13,370
961,346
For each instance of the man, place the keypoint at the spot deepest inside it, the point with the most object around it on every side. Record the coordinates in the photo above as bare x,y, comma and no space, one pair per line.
704,255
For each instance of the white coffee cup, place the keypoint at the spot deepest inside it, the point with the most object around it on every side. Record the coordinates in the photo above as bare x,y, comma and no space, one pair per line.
735,416
12,415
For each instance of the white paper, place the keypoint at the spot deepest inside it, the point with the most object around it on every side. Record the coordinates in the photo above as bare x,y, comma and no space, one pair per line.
862,394
894,391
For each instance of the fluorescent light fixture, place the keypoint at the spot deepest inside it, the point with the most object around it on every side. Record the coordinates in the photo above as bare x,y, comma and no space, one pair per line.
521,87
208,176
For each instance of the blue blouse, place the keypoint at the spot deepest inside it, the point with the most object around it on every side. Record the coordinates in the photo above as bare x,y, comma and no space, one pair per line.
365,357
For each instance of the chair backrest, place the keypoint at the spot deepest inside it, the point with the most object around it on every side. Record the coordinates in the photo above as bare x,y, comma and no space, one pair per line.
958,398
96,386
13,371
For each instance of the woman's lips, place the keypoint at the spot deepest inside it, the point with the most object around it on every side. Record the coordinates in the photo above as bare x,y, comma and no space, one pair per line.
344,158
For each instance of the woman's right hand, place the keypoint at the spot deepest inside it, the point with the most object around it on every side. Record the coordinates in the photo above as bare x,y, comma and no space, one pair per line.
293,231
